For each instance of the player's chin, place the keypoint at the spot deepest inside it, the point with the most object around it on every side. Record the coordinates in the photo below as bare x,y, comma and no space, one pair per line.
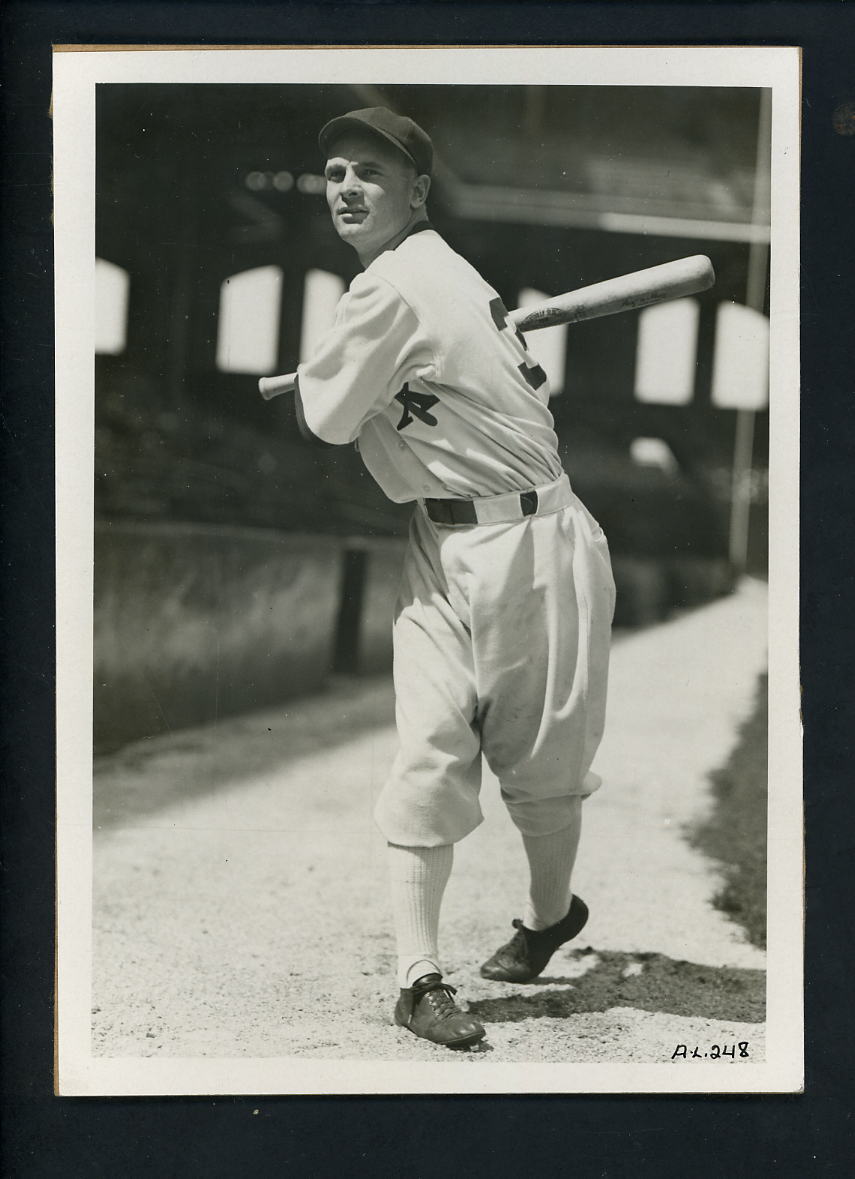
350,231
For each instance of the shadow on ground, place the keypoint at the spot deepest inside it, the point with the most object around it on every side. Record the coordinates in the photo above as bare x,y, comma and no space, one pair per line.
143,777
646,982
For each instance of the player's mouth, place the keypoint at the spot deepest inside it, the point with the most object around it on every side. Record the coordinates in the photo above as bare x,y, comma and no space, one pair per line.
353,216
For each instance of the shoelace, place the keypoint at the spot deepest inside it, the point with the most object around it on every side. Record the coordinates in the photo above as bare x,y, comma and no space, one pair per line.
439,994
527,935
521,938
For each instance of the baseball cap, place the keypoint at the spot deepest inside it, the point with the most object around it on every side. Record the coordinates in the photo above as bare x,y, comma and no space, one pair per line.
401,132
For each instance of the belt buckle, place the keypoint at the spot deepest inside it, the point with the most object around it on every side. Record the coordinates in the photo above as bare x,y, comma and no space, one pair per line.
528,502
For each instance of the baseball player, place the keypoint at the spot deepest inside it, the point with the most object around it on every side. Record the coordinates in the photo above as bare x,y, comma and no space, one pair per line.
502,627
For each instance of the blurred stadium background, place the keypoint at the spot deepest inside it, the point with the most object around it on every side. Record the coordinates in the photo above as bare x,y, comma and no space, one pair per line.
235,565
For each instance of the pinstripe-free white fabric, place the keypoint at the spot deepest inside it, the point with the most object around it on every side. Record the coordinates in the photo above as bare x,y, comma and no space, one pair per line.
501,644
423,368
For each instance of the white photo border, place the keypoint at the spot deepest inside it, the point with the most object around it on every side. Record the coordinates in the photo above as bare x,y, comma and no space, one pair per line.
76,72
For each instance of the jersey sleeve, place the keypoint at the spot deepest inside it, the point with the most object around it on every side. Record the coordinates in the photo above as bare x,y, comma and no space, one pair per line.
376,345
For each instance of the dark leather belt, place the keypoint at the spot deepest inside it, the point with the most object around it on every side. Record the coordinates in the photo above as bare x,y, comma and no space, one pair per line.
465,511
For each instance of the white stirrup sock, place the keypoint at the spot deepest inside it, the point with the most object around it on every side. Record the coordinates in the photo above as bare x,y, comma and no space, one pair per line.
550,860
418,876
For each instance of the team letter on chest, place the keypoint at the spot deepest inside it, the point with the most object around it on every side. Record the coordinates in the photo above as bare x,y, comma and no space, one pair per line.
416,405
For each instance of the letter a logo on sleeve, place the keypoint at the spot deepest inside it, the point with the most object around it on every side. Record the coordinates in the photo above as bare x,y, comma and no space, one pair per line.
416,405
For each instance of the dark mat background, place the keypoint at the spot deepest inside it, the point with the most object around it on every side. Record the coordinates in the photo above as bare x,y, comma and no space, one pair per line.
608,1136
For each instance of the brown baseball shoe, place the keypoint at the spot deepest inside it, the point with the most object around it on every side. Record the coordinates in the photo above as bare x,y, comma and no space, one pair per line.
428,1011
527,953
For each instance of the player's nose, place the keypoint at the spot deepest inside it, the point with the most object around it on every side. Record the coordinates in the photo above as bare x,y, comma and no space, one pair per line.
350,185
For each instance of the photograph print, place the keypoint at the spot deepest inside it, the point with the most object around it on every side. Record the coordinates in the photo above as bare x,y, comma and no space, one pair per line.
428,693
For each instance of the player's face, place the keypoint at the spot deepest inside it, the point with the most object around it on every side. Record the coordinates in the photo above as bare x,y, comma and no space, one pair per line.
372,192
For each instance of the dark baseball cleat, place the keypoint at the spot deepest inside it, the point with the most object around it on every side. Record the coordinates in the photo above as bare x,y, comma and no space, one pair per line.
527,953
428,1011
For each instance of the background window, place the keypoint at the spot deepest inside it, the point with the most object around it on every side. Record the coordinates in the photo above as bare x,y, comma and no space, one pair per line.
321,293
740,358
111,307
248,326
665,359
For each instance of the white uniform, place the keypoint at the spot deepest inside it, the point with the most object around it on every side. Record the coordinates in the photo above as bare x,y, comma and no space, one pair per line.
502,627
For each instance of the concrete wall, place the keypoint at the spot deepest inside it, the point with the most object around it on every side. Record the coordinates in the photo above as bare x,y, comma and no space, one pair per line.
195,622
648,590
384,559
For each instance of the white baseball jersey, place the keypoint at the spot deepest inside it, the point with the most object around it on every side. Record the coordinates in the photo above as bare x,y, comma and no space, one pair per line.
423,368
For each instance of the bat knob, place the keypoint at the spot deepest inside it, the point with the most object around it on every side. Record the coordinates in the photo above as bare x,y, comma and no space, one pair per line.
270,387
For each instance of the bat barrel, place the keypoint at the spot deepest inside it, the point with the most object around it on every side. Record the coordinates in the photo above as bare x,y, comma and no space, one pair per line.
629,292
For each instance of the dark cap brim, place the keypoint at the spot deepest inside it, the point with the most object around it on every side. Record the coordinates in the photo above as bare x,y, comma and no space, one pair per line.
337,127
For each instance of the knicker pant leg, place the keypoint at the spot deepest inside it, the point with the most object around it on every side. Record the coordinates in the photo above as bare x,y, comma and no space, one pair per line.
542,681
431,795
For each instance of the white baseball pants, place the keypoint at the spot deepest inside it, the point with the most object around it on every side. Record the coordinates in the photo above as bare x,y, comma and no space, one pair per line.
501,648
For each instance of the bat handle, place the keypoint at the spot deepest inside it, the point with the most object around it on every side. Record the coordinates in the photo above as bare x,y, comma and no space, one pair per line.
270,387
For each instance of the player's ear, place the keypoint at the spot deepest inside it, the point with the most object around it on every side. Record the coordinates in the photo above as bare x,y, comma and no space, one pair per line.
421,187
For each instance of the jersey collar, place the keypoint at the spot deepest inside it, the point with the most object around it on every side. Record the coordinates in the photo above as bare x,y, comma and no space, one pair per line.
419,227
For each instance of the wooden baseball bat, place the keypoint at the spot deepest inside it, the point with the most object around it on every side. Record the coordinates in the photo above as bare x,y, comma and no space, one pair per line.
272,386
629,292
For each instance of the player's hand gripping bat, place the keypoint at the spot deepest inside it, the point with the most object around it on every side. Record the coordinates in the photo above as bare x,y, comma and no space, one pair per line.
629,292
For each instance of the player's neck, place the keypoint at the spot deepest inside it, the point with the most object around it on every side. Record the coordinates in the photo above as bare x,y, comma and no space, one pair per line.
419,216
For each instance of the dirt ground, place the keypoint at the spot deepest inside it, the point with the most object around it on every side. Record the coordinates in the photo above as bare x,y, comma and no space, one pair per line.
240,903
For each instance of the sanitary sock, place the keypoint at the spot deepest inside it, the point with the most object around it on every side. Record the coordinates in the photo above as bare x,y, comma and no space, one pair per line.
550,860
418,876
